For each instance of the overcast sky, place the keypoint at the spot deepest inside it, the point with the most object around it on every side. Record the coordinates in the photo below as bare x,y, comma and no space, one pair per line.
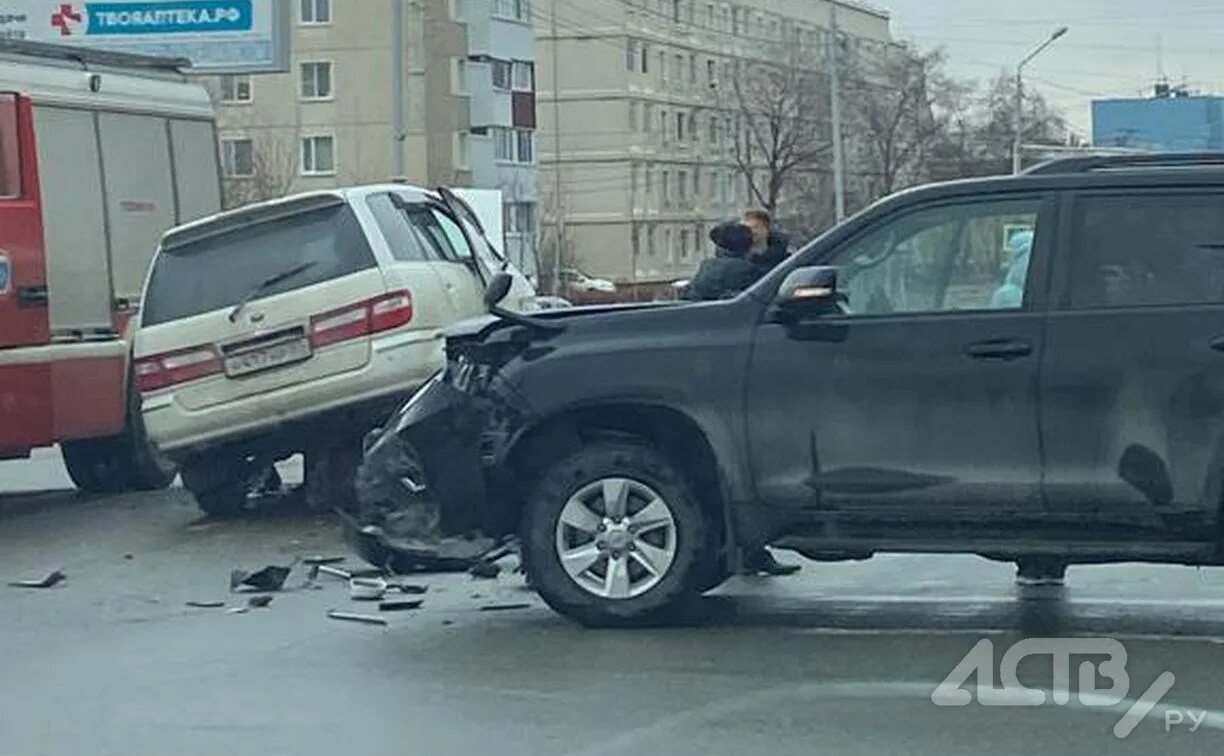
1111,49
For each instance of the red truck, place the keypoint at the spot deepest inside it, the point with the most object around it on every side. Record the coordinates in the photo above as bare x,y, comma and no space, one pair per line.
100,153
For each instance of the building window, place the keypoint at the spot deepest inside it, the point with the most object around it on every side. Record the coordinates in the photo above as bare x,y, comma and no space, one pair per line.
713,191
711,73
665,186
696,181
664,125
459,76
502,72
237,158
633,116
648,184
650,241
667,250
518,10
461,150
315,12
236,88
631,54
645,58
692,70
713,136
526,146
663,66
503,143
519,217
676,11
680,127
682,185
677,73
316,80
710,15
684,244
318,156
524,76
647,118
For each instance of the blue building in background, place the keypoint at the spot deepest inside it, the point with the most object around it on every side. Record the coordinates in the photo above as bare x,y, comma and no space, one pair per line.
1174,120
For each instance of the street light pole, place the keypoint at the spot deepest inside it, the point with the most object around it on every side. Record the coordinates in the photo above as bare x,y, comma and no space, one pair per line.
1018,114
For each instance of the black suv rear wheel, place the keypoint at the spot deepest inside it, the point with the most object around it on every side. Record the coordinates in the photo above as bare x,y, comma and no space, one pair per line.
614,536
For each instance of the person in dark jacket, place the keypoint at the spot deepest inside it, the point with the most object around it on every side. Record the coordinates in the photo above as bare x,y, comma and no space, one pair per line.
745,251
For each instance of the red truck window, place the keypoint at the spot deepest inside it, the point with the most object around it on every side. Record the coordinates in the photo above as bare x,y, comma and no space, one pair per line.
10,156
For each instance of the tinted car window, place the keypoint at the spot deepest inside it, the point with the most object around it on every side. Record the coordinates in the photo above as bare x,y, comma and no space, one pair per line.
216,272
974,256
1142,250
403,241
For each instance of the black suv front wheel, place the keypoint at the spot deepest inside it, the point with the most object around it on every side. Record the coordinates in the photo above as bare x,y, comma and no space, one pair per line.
614,536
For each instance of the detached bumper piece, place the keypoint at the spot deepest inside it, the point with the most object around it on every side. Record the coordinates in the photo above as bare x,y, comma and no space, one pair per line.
420,487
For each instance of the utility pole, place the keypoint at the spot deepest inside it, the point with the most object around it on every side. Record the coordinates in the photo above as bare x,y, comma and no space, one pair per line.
1018,115
397,88
839,158
558,205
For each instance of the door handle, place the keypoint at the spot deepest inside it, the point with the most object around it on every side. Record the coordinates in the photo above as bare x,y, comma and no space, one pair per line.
32,296
999,349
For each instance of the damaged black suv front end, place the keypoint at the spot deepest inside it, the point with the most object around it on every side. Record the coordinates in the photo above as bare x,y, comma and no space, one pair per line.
429,490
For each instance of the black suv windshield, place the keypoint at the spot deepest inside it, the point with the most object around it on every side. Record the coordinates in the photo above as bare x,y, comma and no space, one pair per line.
185,281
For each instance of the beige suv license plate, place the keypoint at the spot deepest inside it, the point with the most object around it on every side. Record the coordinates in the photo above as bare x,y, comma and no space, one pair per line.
268,357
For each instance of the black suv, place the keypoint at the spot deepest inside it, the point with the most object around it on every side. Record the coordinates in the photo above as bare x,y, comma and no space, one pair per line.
1028,368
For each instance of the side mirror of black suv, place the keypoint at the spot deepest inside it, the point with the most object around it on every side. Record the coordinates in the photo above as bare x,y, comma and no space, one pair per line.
808,291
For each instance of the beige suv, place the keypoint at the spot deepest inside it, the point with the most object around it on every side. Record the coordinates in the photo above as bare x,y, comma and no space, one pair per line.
294,325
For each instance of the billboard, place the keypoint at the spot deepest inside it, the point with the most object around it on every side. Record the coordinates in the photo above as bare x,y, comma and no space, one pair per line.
218,36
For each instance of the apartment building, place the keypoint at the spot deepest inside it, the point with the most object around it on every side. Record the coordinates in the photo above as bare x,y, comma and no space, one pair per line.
468,83
637,132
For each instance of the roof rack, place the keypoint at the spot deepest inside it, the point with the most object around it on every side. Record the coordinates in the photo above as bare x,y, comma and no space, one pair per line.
1090,163
85,56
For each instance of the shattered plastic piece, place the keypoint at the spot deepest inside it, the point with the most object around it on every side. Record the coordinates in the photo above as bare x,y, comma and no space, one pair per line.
335,572
367,589
259,602
503,607
485,570
206,604
237,610
53,578
410,588
270,578
399,606
323,560
369,619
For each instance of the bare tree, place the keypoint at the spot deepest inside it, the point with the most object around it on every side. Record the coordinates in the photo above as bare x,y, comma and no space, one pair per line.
273,171
781,112
900,107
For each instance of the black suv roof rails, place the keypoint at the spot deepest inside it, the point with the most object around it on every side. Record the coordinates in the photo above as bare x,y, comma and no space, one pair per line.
1089,163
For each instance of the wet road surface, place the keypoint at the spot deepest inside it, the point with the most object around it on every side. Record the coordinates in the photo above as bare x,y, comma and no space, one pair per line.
839,659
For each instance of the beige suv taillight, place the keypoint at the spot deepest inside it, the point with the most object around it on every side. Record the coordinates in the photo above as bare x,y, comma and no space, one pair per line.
161,371
372,316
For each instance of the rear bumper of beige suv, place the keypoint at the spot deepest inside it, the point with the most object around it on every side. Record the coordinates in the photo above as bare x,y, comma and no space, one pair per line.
398,364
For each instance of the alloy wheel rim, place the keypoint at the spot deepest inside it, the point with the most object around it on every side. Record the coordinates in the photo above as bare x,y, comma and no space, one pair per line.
616,538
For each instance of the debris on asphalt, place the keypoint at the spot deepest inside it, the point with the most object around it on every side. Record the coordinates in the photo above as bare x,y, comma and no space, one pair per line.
448,622
369,619
237,610
399,606
53,578
270,578
129,557
206,604
323,560
368,572
484,570
260,601
367,589
503,607
411,588
335,572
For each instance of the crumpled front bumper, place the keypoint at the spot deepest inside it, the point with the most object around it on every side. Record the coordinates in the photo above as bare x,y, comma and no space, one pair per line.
421,487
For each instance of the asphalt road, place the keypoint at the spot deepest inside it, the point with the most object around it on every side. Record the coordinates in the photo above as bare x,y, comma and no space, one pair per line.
840,659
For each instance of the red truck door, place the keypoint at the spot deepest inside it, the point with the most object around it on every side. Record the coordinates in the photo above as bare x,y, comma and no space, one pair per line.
26,415
23,276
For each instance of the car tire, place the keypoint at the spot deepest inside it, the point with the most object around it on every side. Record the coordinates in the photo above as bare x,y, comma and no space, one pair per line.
662,521
97,465
150,470
219,484
331,477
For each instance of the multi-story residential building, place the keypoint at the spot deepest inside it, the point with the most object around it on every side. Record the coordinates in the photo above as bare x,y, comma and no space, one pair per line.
638,92
468,88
